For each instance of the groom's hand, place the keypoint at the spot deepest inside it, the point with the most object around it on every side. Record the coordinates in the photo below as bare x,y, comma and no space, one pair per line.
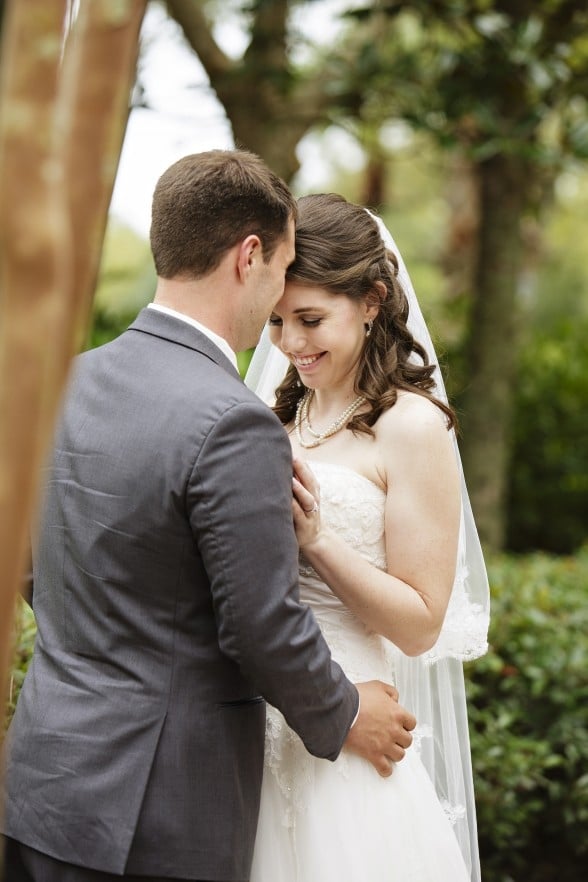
381,732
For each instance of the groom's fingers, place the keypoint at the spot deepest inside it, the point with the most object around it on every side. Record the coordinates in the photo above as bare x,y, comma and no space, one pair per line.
391,690
381,733
408,720
384,766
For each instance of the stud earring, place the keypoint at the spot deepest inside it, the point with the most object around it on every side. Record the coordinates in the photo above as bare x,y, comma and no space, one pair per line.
369,327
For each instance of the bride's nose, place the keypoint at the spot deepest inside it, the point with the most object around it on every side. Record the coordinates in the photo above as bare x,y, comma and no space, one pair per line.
292,339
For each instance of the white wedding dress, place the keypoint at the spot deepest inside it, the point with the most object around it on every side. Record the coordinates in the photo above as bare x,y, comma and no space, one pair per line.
342,822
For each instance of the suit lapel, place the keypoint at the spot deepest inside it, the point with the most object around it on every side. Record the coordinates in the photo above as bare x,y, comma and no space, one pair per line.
167,327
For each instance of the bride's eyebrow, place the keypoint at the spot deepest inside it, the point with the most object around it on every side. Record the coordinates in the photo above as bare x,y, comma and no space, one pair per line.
306,309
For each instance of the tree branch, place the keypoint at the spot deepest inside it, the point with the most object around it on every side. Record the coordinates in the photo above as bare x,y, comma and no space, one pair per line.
190,16
268,45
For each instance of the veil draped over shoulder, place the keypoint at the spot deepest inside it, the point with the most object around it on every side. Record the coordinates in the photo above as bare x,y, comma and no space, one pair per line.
431,685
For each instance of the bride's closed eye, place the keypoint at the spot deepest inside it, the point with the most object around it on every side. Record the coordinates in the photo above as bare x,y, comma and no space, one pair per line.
276,321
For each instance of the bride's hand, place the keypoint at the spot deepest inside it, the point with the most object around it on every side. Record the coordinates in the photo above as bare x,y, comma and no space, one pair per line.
305,504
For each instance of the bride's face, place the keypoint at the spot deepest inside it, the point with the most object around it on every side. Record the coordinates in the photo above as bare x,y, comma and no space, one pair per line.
322,334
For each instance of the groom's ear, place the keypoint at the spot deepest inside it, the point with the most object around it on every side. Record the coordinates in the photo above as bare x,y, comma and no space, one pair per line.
250,251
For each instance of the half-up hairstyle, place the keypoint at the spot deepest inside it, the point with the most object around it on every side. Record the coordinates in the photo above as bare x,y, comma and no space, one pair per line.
339,248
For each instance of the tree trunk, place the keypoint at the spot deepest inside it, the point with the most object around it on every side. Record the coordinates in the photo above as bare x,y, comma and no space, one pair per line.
53,204
374,181
488,398
93,108
270,109
34,250
459,257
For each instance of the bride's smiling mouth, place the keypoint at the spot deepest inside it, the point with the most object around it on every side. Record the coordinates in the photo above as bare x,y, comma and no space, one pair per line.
302,362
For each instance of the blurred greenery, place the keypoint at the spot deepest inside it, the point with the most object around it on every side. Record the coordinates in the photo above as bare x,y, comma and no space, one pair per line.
24,638
547,505
548,488
559,285
126,282
528,701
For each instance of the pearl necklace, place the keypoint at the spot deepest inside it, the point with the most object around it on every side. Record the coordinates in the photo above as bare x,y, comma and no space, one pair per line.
302,415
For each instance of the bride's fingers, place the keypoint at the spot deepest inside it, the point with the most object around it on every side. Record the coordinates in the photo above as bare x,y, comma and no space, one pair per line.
306,515
305,499
306,477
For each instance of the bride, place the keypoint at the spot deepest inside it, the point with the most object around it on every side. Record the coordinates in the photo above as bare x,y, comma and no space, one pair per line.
390,561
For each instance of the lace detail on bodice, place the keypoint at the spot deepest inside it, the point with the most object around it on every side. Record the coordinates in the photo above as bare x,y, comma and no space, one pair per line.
353,507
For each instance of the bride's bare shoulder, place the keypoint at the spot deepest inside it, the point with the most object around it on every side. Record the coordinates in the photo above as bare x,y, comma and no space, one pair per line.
412,439
412,410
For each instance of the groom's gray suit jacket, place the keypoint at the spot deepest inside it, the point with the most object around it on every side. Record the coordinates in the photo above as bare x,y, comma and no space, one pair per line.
165,590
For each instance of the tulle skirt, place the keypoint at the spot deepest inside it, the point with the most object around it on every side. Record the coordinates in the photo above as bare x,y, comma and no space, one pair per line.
342,822
323,821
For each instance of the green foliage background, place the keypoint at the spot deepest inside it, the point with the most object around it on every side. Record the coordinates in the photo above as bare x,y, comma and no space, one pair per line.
126,282
548,498
528,706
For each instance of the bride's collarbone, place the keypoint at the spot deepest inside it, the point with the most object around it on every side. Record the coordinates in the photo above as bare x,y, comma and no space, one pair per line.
355,454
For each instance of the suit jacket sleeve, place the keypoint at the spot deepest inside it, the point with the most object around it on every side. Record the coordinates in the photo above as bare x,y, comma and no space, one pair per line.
240,503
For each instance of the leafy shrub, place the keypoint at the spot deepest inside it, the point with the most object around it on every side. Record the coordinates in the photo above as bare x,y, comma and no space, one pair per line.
529,722
548,498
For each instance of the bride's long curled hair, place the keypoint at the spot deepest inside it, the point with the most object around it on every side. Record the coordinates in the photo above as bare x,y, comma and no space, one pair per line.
339,247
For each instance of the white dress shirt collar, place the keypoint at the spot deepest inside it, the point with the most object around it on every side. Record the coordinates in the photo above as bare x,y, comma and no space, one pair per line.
214,338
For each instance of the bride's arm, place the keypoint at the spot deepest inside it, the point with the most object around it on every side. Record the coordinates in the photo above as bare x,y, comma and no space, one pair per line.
407,604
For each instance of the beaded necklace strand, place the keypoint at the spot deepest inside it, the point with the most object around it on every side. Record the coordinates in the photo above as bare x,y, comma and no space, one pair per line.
302,416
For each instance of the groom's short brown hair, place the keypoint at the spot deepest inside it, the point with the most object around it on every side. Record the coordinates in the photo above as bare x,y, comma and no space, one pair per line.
206,203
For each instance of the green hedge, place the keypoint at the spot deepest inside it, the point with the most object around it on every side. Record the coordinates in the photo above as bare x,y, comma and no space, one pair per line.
547,506
529,722
529,719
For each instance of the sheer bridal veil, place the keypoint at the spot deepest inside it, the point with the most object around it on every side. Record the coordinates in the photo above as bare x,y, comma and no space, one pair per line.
431,685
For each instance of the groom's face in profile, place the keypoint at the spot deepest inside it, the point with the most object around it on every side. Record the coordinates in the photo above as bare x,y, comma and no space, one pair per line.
269,283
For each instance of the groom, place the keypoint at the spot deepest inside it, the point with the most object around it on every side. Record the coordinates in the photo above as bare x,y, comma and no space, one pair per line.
165,573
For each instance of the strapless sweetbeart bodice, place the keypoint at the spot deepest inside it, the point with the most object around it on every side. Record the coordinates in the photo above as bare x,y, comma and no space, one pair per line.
352,507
